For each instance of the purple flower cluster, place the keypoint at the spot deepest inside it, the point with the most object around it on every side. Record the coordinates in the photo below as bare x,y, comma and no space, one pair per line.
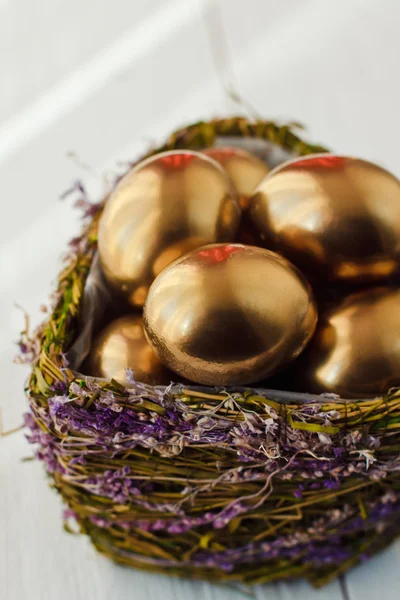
316,546
77,435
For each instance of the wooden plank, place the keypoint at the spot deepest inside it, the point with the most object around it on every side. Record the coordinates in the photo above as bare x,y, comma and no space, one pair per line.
377,578
301,590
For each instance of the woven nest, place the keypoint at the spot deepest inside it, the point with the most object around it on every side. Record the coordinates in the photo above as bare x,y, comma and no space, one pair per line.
248,485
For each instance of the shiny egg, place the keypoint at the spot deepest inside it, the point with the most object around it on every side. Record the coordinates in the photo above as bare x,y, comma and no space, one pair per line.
165,206
122,345
336,217
229,314
245,169
356,349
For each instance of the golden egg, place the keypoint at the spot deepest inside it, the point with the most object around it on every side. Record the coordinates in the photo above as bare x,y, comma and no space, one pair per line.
229,314
245,169
122,345
335,217
165,206
356,349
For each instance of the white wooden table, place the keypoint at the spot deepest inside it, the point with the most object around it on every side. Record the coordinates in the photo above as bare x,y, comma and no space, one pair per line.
103,79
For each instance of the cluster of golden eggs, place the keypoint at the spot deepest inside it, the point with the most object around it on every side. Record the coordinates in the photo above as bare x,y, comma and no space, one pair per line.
235,272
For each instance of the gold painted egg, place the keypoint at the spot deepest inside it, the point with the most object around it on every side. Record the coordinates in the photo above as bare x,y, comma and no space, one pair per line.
334,216
245,169
165,206
356,349
229,314
122,345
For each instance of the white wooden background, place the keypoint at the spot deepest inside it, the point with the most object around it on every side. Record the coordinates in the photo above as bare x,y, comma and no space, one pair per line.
102,79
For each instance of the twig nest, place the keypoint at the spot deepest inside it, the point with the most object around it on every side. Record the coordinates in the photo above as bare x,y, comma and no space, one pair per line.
229,314
147,473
